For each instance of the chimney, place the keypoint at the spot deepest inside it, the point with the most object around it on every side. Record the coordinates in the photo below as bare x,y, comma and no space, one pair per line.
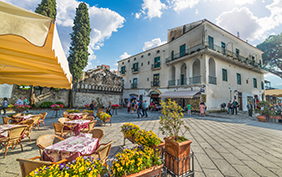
238,35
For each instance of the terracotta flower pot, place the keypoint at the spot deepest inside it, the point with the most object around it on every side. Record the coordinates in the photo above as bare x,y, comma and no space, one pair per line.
177,151
107,119
153,171
275,117
261,118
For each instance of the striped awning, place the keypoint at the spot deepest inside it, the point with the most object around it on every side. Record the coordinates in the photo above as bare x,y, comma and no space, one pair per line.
179,94
275,93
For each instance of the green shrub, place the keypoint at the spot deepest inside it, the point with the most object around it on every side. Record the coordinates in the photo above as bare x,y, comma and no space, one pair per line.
46,104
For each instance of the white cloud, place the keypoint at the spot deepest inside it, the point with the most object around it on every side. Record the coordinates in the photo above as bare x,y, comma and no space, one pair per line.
153,8
116,64
197,12
243,2
249,26
180,5
137,15
153,43
124,55
103,22
66,12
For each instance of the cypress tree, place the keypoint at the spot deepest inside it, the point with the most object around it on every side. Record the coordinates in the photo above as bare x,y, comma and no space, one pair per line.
47,8
80,39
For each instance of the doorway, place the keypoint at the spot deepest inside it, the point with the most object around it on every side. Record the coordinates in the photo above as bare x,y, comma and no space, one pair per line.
240,101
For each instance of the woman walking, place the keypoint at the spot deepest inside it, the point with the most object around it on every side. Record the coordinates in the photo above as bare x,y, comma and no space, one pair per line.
202,109
128,106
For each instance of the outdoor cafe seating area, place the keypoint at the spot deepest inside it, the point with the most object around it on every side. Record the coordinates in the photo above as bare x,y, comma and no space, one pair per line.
74,135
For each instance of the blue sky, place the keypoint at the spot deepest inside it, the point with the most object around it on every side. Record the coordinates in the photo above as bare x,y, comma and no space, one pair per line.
126,27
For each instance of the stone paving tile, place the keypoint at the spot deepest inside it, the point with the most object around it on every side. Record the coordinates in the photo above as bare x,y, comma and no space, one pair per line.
232,146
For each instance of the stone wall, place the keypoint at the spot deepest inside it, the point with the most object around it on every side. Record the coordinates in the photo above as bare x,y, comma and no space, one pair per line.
83,98
18,93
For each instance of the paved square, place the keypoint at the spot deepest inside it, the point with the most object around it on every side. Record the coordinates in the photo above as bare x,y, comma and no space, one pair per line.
222,146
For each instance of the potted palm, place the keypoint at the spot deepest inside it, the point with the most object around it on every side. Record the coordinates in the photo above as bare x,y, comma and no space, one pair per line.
176,146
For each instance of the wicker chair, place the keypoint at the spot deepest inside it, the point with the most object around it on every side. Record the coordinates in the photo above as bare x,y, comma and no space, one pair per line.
29,123
46,140
102,153
89,118
84,115
91,126
28,165
97,133
6,120
43,115
62,120
36,121
15,136
59,130
65,114
16,115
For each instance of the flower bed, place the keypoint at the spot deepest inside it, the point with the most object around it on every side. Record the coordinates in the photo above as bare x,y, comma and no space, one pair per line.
134,160
57,106
88,111
129,130
73,111
147,138
82,166
114,106
103,116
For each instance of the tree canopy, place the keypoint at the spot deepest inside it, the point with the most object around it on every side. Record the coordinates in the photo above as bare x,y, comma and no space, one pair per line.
80,39
272,56
47,8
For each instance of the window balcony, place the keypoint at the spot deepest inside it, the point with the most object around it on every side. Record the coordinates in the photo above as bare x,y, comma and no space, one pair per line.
171,83
134,85
155,83
212,80
195,80
122,72
135,70
156,66
182,81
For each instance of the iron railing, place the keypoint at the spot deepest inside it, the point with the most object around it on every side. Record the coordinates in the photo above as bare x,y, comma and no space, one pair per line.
134,85
171,83
156,65
182,81
195,80
212,80
155,83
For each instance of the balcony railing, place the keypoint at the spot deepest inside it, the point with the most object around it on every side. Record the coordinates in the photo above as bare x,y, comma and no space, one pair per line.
134,85
182,81
135,70
217,48
155,83
171,83
195,80
156,66
122,72
212,80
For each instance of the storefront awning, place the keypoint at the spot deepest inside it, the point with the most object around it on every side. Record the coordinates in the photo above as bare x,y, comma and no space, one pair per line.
179,94
275,93
30,50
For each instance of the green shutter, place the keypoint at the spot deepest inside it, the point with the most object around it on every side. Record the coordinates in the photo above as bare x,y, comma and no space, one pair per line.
182,50
224,74
255,82
238,78
211,43
262,85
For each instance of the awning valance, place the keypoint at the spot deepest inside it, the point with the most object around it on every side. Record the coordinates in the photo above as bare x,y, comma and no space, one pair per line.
30,50
275,93
179,94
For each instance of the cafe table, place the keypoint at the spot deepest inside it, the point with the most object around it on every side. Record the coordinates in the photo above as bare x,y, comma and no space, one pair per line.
77,125
75,115
70,148
5,127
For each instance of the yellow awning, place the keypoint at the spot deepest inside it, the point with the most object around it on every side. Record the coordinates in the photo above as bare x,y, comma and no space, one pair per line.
30,50
275,93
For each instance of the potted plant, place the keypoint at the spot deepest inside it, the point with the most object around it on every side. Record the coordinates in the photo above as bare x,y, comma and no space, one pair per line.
104,117
81,166
263,111
147,138
57,106
176,146
275,115
129,130
139,161
90,112
99,104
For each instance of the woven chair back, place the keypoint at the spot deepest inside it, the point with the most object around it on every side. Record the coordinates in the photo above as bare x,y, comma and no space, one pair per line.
43,115
16,132
6,120
91,125
97,133
65,114
62,120
58,127
28,166
104,151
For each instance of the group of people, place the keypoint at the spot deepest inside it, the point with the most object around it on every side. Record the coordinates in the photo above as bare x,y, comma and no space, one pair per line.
232,107
92,106
141,108
22,101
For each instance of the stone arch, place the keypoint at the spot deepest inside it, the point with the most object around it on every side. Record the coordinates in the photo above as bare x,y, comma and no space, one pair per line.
172,73
212,69
196,68
183,74
155,90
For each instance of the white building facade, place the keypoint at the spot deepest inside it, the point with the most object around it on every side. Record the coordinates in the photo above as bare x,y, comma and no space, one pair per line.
199,56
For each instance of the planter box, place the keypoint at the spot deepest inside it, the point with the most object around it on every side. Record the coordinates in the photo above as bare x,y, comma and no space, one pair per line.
100,110
174,152
275,117
153,171
261,118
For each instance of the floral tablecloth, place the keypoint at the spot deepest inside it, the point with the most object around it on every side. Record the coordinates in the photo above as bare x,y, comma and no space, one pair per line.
77,124
5,127
70,148
75,115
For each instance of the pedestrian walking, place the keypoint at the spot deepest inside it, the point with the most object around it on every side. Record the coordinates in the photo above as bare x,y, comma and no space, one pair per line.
128,106
235,105
132,106
250,109
4,106
143,107
188,109
138,109
146,105
229,107
108,110
202,109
